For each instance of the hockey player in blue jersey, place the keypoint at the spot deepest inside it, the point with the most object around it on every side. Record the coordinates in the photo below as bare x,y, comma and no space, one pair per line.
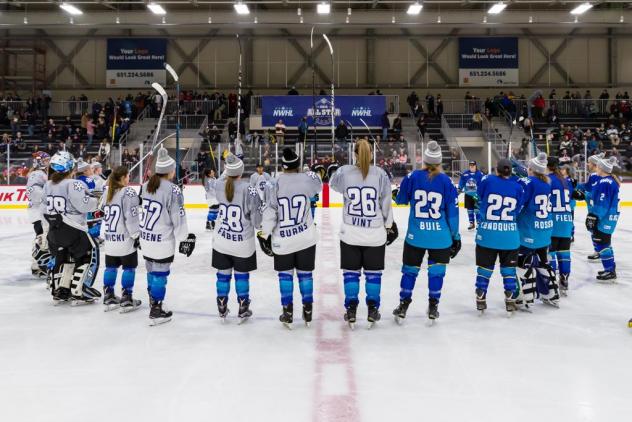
468,184
603,216
562,194
497,236
535,225
433,227
587,189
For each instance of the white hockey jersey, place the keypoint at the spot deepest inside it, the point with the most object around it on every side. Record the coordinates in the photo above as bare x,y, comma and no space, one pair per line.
35,194
121,223
287,216
367,205
209,191
70,199
163,221
259,181
237,220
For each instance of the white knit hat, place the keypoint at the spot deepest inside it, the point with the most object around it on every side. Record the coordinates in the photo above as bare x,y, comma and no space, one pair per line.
594,159
539,163
82,165
432,154
164,163
608,164
234,166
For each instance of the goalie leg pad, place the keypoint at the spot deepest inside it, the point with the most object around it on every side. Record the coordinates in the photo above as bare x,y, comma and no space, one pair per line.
547,283
77,279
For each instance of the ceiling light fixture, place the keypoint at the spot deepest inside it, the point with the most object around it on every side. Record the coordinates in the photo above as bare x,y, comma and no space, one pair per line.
530,19
241,8
439,19
26,20
164,20
300,20
347,19
156,9
497,8
581,9
69,8
299,11
485,19
414,9
348,11
323,8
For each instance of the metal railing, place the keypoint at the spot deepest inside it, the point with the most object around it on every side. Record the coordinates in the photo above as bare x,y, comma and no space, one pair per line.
459,165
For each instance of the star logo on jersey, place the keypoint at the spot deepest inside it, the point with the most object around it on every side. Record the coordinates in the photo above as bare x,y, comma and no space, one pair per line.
176,190
252,191
78,186
130,192
312,175
262,207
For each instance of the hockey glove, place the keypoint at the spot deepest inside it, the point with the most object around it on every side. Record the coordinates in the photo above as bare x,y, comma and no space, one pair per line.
455,248
187,246
579,195
265,243
391,234
591,222
137,243
394,193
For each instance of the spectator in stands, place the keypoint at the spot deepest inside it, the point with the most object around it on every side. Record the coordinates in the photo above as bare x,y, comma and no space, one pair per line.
6,141
279,132
565,143
31,121
397,125
439,106
412,101
292,91
386,125
422,126
15,124
589,105
232,130
342,132
104,151
603,101
81,152
430,104
593,145
477,121
303,128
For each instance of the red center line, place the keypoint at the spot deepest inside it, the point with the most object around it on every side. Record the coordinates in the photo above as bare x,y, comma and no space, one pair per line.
328,407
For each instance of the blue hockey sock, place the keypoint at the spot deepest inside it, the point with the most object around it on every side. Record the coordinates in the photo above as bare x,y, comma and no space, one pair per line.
127,279
564,261
223,283
607,257
159,285
212,214
242,285
436,274
482,277
286,286
352,287
553,260
306,285
150,280
470,215
407,284
109,276
509,278
373,285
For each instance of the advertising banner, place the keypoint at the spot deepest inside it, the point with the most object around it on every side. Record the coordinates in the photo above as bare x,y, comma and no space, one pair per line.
351,108
488,62
135,62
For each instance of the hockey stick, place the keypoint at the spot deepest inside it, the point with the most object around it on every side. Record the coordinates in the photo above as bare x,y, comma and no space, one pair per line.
163,94
333,96
151,152
238,135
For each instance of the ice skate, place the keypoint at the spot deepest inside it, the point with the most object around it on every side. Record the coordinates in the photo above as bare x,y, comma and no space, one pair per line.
373,316
110,300
287,316
157,315
307,314
433,310
510,303
471,227
400,312
82,300
222,307
244,310
481,301
594,258
563,281
350,315
128,303
607,277
91,292
61,295
209,226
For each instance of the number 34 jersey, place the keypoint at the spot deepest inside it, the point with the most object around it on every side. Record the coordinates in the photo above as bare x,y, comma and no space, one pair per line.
120,221
367,205
287,216
500,202
163,221
433,221
535,221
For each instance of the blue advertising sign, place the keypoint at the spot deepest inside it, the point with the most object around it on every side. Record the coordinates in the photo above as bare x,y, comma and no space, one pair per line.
135,62
488,61
292,108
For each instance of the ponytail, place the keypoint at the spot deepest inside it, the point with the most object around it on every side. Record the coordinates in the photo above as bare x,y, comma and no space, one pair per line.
57,177
154,182
504,172
363,153
433,170
229,188
558,173
114,182
542,177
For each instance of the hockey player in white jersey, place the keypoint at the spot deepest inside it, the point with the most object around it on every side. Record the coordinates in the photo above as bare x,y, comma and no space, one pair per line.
367,227
207,181
38,177
163,222
99,179
289,232
66,206
259,179
120,205
234,236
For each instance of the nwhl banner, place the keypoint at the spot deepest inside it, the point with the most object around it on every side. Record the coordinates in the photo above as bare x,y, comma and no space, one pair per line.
135,62
491,61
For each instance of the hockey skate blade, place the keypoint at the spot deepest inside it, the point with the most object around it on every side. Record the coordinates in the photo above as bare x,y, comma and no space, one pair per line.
242,320
307,324
79,303
607,282
398,320
552,304
370,325
158,321
351,325
510,314
287,325
431,322
128,309
110,308
58,302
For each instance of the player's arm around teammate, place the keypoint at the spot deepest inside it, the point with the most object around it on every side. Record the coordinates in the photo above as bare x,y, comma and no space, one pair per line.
367,227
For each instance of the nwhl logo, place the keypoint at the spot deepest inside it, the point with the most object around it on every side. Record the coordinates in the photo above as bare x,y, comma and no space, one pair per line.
361,112
283,112
322,112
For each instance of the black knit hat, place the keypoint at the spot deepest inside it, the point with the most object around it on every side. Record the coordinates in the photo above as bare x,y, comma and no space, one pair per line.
290,159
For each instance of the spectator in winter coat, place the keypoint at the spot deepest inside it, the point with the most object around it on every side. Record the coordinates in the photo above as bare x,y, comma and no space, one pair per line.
341,132
386,125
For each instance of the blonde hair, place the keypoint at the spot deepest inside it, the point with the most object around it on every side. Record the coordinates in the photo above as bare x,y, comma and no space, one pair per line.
433,170
363,153
229,188
114,182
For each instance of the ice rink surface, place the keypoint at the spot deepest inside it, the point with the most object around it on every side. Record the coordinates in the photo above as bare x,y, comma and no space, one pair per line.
80,363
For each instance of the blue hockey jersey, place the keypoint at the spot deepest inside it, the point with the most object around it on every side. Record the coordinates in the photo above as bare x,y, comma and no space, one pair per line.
561,206
433,221
535,221
500,202
588,188
605,198
468,183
